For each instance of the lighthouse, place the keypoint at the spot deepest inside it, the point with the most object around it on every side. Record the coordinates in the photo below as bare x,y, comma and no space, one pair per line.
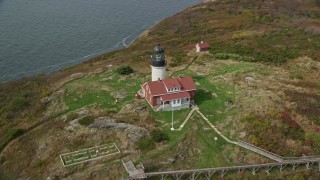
158,64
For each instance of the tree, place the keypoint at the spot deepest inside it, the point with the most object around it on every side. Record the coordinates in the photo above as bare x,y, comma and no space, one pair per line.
124,70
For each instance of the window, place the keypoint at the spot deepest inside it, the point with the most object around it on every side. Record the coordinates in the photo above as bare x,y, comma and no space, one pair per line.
174,101
187,99
178,100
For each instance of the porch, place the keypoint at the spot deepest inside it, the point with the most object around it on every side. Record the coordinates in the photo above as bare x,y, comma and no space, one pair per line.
170,107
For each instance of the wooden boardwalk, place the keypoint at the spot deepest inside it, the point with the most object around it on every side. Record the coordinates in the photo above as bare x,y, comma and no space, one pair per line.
260,151
215,128
243,144
186,120
207,173
134,173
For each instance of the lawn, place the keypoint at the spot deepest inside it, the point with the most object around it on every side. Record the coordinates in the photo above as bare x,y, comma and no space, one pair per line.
101,89
195,142
211,97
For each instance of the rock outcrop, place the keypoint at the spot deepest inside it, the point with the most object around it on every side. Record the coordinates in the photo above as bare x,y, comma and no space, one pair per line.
134,133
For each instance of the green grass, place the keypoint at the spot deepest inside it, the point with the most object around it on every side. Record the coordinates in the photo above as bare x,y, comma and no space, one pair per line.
75,101
212,151
214,107
205,99
202,151
231,68
99,90
166,117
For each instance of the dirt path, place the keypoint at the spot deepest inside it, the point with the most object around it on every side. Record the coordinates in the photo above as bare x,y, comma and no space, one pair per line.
186,67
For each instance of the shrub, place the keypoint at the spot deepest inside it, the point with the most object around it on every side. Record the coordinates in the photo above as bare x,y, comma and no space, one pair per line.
234,56
124,70
221,56
18,103
71,116
86,121
173,64
247,59
13,133
158,136
296,76
315,138
225,56
267,19
145,144
290,128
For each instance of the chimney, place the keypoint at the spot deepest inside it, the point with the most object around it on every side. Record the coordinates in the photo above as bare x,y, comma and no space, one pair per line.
159,79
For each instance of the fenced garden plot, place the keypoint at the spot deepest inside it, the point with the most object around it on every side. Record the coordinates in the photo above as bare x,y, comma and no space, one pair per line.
90,154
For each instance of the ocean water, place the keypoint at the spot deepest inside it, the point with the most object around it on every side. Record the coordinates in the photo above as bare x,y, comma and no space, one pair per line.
41,36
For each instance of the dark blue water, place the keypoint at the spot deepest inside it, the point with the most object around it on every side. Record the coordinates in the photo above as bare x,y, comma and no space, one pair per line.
39,36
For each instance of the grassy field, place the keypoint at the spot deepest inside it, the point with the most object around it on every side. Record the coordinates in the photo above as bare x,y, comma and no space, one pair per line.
101,89
193,146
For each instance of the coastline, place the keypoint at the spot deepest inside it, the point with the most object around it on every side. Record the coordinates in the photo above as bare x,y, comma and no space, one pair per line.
89,57
56,79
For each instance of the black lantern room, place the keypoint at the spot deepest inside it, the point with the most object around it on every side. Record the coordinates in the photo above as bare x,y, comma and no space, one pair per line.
158,57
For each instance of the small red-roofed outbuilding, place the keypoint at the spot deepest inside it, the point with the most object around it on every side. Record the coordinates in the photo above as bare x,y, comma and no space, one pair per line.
202,46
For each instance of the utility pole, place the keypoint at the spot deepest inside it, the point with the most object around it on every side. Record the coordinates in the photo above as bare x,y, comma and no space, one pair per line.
172,128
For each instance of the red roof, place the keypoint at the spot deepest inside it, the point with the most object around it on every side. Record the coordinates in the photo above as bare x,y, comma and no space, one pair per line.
203,45
187,83
159,87
175,96
171,83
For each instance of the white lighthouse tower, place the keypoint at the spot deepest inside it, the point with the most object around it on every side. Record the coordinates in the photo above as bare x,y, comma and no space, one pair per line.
158,64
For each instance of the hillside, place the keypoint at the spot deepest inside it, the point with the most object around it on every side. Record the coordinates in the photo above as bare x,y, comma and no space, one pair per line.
275,44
